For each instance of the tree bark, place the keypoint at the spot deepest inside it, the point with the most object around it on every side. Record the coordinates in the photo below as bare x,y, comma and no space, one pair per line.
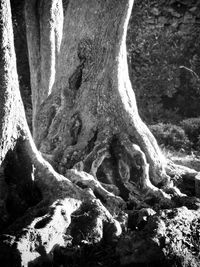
87,117
85,123
10,100
37,202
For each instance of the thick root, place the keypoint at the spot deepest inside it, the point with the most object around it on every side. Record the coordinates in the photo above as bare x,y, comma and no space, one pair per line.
38,231
44,228
70,213
178,170
48,225
185,178
85,179
144,183
32,238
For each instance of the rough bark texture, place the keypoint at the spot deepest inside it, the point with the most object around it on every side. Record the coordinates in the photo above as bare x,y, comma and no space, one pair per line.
86,124
86,116
36,202
10,100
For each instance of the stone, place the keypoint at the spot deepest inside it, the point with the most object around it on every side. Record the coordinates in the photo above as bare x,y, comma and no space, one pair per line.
193,9
173,12
150,21
188,18
162,20
155,11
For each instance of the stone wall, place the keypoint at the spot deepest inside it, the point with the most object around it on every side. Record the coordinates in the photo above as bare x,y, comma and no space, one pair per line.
164,59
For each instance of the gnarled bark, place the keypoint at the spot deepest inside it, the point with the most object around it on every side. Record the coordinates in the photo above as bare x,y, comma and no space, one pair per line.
85,123
87,116
44,199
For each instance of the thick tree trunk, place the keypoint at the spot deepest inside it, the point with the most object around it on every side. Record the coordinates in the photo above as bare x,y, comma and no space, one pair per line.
85,122
86,116
27,180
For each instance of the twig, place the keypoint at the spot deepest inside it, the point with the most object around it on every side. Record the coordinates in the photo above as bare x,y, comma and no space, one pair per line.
193,72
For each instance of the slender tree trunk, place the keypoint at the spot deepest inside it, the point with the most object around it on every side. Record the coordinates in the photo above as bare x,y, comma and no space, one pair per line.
8,95
10,99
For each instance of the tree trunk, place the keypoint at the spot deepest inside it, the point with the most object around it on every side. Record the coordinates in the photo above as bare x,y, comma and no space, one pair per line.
84,109
85,123
36,202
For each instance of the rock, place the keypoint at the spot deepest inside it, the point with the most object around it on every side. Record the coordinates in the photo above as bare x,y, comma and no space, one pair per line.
193,9
184,29
175,24
162,20
173,12
138,218
135,248
145,213
167,234
155,11
150,21
188,18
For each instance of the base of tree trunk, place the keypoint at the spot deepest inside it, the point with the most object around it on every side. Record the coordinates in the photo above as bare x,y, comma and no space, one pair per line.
110,183
71,214
67,215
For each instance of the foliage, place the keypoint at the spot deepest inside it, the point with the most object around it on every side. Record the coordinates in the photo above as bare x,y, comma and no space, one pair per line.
170,135
192,129
185,136
164,59
163,54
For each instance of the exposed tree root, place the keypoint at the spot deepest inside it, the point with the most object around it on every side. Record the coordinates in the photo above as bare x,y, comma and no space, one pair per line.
88,120
70,212
130,175
84,179
131,168
179,170
43,227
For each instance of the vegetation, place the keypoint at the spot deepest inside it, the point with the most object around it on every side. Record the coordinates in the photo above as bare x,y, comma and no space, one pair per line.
192,129
100,192
185,136
171,136
163,55
164,59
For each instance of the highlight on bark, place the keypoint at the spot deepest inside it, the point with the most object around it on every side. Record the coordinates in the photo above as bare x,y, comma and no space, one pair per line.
91,156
